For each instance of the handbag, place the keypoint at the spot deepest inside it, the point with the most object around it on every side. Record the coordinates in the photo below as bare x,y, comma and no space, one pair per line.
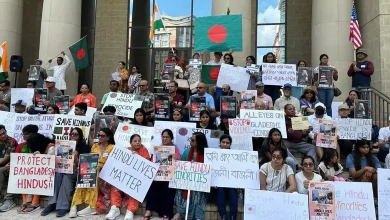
182,83
337,92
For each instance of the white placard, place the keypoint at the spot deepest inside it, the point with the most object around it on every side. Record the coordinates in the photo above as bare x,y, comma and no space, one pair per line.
240,131
44,123
335,111
226,173
31,174
354,200
129,172
160,126
354,129
25,94
8,119
125,104
191,176
261,204
90,111
384,194
125,131
63,125
116,76
279,74
183,137
262,121
235,77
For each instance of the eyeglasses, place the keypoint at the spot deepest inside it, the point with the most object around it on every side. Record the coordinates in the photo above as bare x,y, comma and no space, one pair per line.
101,135
308,164
276,157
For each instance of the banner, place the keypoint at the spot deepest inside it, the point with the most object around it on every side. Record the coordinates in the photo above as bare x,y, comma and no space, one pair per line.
191,176
262,121
161,106
240,131
383,194
354,129
40,97
8,119
279,74
262,204
325,77
129,172
90,111
234,76
229,106
164,156
322,200
62,102
44,123
160,126
327,134
31,174
125,104
64,156
248,99
87,173
183,137
304,76
24,94
63,124
197,105
226,173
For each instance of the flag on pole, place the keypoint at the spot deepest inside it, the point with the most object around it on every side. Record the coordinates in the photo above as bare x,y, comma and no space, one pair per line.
157,23
79,52
354,31
228,11
3,62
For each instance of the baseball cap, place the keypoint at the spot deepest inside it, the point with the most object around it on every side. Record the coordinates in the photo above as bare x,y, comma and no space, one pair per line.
320,104
343,106
287,85
259,84
50,79
20,103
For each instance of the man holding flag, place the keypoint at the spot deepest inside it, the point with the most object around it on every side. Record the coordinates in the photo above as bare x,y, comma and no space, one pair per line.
60,70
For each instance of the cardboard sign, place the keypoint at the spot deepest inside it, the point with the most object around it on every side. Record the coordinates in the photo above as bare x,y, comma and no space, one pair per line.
234,76
322,200
160,126
191,176
240,131
129,172
183,137
125,104
64,156
279,74
87,173
31,174
164,156
124,131
262,121
24,94
44,123
354,129
63,125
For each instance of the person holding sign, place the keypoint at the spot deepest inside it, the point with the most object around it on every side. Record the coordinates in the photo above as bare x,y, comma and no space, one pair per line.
272,91
308,100
205,121
201,88
329,167
287,98
148,103
350,101
90,196
114,86
307,175
320,113
198,200
116,195
85,96
140,118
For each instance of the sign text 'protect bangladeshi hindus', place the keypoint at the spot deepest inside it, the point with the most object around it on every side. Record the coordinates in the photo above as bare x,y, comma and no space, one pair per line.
191,176
262,121
63,124
31,174
129,172
125,104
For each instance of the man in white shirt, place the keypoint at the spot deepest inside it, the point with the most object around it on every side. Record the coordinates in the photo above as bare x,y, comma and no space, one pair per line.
217,59
384,143
60,70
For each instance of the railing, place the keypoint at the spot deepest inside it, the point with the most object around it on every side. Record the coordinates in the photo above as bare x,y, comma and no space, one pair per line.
379,105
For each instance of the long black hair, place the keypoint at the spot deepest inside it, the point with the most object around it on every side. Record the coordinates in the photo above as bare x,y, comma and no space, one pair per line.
252,58
38,142
270,141
265,57
329,153
231,58
144,120
81,141
357,155
201,142
109,134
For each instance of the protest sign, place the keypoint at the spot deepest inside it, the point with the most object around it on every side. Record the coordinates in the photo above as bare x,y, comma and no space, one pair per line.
354,200
31,174
40,97
325,76
262,121
129,172
8,119
300,123
116,76
262,204
304,76
101,121
197,105
90,111
362,109
240,131
279,74
327,134
87,175
354,129
125,104
383,194
322,200
226,173
160,126
194,70
63,125
234,76
24,94
191,176
34,72
254,69
183,137
124,132
62,102
229,106
168,72
44,123
248,99
64,156
161,106
164,156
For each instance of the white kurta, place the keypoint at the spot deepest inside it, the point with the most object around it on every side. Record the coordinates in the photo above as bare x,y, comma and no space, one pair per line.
59,73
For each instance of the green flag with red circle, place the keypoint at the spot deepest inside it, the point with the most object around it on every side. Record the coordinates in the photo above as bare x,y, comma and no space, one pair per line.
218,33
210,74
79,53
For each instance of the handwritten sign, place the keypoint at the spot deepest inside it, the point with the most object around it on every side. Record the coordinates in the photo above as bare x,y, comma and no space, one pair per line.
354,129
354,200
25,94
160,126
64,156
322,200
125,104
124,132
31,174
129,172
164,156
240,131
8,119
191,176
262,121
384,194
235,76
279,74
261,204
44,123
226,173
63,124
183,137
327,134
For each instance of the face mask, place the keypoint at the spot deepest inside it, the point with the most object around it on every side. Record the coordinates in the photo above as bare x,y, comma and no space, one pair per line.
320,111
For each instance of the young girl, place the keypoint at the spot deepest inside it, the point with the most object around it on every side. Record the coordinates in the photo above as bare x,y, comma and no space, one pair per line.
307,175
177,115
329,166
224,125
205,121
140,118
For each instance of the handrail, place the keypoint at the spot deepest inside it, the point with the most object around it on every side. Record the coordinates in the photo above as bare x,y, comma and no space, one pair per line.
379,105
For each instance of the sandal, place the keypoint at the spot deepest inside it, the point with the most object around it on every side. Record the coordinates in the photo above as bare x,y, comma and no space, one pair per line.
22,208
31,208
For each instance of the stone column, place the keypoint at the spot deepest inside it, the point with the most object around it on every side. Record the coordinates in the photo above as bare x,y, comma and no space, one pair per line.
11,17
330,32
60,28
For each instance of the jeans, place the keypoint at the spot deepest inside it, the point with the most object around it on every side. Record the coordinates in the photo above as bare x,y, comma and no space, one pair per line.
325,95
297,92
383,151
233,201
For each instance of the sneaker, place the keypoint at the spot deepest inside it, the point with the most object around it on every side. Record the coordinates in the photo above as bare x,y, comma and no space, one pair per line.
87,211
62,212
49,209
7,205
73,212
114,213
129,215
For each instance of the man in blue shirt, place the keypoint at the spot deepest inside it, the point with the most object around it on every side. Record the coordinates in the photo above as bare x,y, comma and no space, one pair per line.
201,91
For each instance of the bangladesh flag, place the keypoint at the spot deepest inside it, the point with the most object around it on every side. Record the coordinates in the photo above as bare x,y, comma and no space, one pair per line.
79,53
218,33
210,74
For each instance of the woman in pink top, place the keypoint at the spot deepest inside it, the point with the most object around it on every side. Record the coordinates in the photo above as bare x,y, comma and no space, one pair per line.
160,197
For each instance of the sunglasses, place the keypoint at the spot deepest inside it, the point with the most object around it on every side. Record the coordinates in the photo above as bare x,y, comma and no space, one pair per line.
309,92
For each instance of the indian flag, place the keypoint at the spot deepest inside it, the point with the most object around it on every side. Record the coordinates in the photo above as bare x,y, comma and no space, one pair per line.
157,23
3,62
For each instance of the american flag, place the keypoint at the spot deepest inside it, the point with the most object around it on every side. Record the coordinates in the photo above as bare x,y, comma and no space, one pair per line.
354,31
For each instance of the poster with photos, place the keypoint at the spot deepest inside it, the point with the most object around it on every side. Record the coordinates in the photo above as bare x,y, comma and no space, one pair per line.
325,77
362,109
87,175
62,102
248,99
64,156
168,72
40,97
327,134
229,106
161,106
197,105
304,76
34,71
